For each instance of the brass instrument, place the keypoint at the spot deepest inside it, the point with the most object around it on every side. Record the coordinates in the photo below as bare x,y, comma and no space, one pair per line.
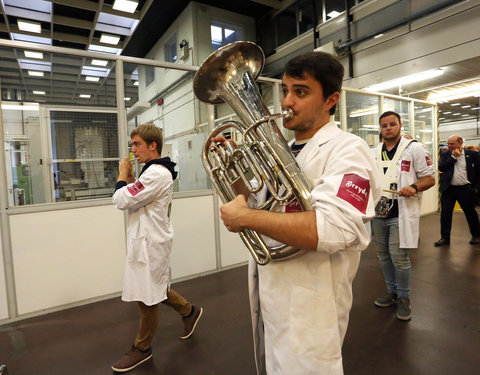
228,75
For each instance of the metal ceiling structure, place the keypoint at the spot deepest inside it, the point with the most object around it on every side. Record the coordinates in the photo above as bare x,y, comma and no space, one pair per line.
79,24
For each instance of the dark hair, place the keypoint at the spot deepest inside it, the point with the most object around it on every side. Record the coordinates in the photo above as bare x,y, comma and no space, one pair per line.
149,133
390,113
324,67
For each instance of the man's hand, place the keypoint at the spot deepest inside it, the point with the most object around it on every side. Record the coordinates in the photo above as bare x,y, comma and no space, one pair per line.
456,153
232,213
125,171
407,191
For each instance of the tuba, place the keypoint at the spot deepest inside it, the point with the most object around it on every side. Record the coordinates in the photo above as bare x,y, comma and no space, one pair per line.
263,156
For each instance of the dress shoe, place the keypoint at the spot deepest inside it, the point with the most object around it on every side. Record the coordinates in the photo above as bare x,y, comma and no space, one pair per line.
475,241
444,242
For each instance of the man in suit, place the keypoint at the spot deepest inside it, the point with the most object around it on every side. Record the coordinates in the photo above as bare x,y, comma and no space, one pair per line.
459,181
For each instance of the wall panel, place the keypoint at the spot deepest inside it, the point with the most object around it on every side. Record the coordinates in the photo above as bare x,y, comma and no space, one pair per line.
62,257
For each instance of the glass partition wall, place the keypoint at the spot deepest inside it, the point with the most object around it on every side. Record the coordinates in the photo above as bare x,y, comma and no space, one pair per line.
66,120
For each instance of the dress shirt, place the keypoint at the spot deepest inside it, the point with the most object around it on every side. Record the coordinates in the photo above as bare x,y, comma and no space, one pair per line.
460,171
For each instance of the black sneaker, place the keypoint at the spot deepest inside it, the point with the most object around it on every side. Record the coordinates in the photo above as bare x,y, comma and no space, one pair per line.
442,242
191,321
132,359
404,310
386,300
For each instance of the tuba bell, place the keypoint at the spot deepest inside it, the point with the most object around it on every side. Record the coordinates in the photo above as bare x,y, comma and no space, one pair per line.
263,156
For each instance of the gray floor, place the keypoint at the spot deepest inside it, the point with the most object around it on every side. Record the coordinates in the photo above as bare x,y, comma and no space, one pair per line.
443,338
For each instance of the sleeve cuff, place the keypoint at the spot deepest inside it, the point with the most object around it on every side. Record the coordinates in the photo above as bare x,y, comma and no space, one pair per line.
120,184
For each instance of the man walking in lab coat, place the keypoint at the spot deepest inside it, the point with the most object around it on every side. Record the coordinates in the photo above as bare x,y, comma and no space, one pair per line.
406,170
149,242
300,306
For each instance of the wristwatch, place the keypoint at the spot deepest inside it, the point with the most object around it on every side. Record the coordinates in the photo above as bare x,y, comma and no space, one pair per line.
415,187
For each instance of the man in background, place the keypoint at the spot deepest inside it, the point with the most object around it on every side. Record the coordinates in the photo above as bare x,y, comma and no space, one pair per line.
459,182
406,171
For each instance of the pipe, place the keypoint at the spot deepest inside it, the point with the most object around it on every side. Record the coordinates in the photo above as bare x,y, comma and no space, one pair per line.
402,22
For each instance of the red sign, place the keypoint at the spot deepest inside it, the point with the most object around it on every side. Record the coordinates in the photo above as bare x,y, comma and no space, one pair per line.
405,165
136,188
355,190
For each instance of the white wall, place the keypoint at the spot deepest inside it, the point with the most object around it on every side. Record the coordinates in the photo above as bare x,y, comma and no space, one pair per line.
443,38
63,257
3,291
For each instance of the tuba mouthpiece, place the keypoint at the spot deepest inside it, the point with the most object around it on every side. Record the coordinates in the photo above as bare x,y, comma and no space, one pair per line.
287,113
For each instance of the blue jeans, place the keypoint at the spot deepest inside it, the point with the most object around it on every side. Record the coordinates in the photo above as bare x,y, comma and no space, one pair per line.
394,260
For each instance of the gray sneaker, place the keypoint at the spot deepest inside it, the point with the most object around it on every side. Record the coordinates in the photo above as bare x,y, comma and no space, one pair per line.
386,300
404,310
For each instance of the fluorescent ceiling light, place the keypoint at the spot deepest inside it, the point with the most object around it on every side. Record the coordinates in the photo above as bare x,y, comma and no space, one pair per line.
109,39
363,112
412,78
454,104
92,79
127,99
85,96
31,38
21,107
97,48
35,73
333,14
466,106
476,108
99,62
377,36
453,94
30,26
128,6
39,92
33,55
135,83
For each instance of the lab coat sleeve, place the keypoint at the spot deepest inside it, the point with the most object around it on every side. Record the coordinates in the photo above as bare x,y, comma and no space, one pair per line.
152,183
422,163
345,196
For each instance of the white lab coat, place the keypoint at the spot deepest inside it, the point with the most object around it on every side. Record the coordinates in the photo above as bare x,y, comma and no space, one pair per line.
149,235
413,164
300,306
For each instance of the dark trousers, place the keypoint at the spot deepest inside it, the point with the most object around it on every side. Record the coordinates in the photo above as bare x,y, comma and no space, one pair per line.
466,197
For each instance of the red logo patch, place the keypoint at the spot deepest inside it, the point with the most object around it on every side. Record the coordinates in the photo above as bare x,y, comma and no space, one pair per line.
293,206
429,162
405,165
136,188
355,190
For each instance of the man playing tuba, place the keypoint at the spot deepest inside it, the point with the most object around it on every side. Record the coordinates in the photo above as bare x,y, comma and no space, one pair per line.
300,306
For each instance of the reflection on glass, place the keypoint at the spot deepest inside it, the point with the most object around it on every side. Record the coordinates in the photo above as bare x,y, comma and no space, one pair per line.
401,107
362,116
423,115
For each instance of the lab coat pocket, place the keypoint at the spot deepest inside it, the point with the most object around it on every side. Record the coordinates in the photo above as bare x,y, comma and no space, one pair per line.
137,251
313,324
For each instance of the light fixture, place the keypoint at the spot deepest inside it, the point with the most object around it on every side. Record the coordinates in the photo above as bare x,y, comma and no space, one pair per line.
455,104
333,14
99,62
92,79
405,80
128,6
35,73
33,55
109,39
21,106
453,94
466,106
377,36
135,83
127,99
30,26
85,96
364,112
38,92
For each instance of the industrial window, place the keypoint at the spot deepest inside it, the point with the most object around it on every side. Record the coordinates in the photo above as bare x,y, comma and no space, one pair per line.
149,75
171,49
223,33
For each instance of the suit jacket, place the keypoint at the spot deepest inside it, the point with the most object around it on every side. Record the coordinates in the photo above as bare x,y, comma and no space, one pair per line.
447,163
